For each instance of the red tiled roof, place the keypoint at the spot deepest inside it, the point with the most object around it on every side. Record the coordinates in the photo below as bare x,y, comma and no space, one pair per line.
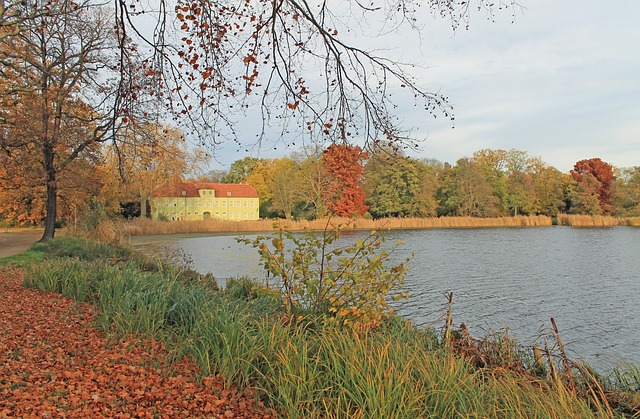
222,190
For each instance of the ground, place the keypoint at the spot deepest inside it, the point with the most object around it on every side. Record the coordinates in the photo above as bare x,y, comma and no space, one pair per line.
55,363
17,241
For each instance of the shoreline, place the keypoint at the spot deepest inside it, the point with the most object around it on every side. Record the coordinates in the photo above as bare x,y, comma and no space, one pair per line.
140,227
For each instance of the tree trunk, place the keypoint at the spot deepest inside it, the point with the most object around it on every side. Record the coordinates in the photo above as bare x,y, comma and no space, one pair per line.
143,207
52,195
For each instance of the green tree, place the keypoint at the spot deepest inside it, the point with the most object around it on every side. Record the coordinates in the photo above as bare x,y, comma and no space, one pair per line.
548,188
627,198
398,186
284,184
465,191
241,169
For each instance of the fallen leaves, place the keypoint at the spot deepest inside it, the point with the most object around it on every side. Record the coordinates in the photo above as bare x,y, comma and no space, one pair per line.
55,363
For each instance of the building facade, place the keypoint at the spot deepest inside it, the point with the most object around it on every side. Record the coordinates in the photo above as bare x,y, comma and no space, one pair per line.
205,201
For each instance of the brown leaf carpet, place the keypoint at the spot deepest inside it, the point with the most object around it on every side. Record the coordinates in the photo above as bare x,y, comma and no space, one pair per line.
55,363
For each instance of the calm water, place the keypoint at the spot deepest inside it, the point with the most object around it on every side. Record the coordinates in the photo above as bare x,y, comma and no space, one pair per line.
587,279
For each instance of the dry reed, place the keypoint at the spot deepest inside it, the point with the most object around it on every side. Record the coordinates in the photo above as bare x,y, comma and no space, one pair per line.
142,227
575,220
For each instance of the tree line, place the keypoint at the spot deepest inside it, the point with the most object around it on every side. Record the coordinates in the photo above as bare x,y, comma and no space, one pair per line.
347,181
342,180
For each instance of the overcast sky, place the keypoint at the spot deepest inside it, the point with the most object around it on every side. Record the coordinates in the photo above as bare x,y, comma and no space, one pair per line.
561,82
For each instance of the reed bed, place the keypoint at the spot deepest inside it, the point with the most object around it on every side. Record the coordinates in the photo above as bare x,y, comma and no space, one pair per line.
143,227
307,368
576,220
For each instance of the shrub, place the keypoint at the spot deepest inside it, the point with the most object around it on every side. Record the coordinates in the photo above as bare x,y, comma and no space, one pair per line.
349,283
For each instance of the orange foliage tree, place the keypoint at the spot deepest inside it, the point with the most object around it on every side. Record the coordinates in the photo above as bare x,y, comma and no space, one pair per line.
65,90
146,160
344,165
597,176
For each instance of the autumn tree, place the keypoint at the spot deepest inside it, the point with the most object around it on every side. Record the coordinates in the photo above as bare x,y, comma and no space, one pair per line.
67,69
22,190
137,167
344,165
19,15
595,177
547,187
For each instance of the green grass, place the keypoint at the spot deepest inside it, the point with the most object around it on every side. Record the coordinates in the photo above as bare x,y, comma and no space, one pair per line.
23,259
305,367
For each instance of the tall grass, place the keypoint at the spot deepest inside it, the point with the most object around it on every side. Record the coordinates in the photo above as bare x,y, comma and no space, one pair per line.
305,367
140,227
576,220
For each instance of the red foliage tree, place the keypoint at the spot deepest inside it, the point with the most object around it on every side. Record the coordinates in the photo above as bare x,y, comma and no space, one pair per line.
344,165
603,172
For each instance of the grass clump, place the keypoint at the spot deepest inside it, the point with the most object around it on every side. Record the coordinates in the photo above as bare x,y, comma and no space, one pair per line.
308,367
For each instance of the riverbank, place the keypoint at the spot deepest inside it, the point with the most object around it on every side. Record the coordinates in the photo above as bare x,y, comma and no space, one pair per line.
144,227
303,366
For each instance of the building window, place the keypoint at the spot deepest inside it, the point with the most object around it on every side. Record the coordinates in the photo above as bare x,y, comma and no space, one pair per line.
245,203
224,203
210,204
184,193
230,203
238,203
230,215
228,193
253,203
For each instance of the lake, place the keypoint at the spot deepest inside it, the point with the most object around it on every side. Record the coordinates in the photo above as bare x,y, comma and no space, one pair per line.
587,279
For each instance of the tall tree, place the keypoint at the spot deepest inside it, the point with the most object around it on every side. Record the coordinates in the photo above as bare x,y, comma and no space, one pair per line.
548,188
602,183
344,166
79,89
284,185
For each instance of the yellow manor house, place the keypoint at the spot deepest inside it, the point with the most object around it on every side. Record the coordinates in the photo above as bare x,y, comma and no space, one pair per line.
205,201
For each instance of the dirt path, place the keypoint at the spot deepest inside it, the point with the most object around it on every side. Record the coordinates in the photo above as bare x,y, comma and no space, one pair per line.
55,363
14,242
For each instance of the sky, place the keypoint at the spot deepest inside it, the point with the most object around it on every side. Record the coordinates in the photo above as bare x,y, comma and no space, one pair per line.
560,80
